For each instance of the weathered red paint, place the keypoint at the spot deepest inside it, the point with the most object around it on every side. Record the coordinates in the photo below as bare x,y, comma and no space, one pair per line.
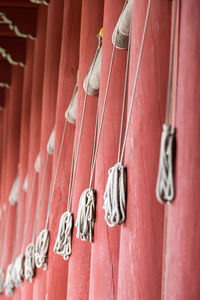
35,125
105,249
24,150
52,58
57,267
141,240
79,262
12,156
182,256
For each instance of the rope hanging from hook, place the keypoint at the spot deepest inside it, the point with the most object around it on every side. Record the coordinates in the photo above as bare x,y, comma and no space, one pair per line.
115,192
39,255
165,191
64,237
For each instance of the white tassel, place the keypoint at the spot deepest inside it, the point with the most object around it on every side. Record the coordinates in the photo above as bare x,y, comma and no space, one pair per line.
37,164
51,143
18,269
70,114
1,281
86,215
9,283
13,197
41,249
25,185
165,182
115,196
120,37
29,264
63,244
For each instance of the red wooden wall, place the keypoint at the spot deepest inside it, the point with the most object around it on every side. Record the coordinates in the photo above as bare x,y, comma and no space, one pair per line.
128,261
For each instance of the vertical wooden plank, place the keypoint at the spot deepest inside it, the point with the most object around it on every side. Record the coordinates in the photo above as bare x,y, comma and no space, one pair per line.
141,241
35,124
182,253
105,249
79,263
24,149
12,154
57,268
52,59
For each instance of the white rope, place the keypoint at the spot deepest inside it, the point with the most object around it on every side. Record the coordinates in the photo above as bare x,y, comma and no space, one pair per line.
9,284
165,180
115,196
65,228
37,164
40,2
39,244
86,215
25,185
18,268
41,249
71,112
8,57
64,237
29,264
165,184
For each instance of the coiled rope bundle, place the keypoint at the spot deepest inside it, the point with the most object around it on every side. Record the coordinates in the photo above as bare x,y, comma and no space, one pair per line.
165,184
115,192
29,263
165,190
63,241
41,249
115,196
86,215
42,243
64,236
9,283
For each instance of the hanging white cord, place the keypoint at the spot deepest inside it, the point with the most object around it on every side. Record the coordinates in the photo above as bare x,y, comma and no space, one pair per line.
20,260
64,237
165,181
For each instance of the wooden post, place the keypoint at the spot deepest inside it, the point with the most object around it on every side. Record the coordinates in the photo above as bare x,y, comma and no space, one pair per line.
57,267
35,125
183,231
52,59
105,249
24,149
91,23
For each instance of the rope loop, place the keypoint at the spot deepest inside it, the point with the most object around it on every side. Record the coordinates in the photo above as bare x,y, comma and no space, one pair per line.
29,264
165,183
41,249
63,244
86,215
115,196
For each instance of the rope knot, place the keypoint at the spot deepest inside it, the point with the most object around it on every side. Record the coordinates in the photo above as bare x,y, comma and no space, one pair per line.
29,265
165,183
86,215
63,244
41,249
115,196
